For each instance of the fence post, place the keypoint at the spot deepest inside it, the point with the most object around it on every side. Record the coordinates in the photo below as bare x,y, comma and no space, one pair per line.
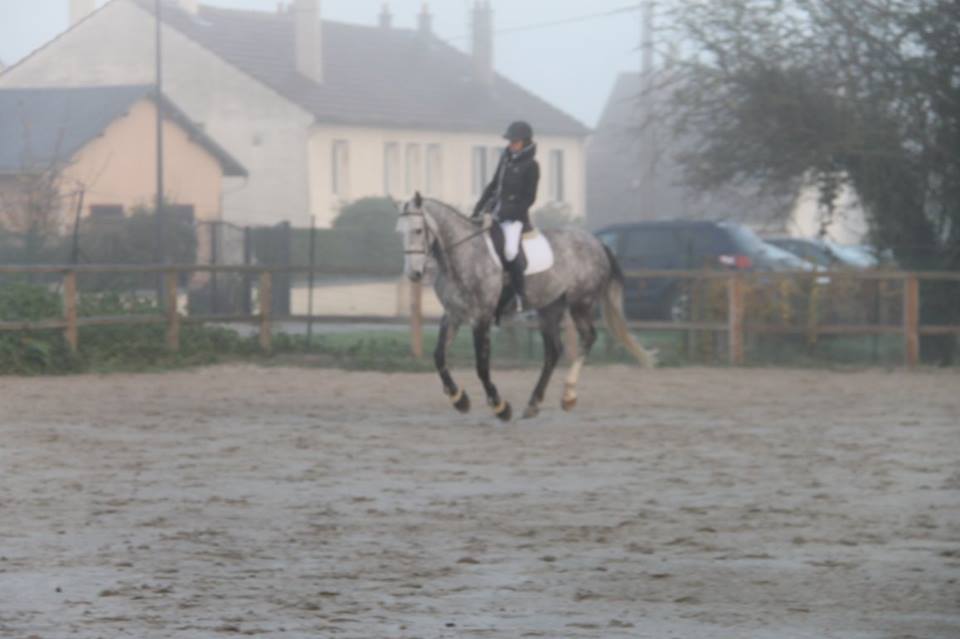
247,261
310,278
735,319
416,319
911,320
173,316
813,311
215,231
70,310
266,335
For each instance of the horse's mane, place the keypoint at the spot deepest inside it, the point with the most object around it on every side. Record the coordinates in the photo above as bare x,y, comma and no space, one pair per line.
447,207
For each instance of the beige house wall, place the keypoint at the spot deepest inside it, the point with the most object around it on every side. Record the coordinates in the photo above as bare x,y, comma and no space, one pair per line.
265,132
367,167
285,152
120,166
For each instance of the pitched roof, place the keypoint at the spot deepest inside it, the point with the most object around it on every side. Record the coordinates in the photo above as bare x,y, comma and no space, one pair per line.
372,75
619,172
39,126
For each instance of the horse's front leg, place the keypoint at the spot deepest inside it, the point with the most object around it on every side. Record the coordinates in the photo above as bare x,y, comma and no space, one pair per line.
448,332
550,318
481,347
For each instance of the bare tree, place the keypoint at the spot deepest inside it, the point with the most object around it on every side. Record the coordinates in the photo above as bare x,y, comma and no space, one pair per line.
33,201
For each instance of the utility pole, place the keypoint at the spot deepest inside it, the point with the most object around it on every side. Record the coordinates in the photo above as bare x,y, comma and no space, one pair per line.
648,154
161,221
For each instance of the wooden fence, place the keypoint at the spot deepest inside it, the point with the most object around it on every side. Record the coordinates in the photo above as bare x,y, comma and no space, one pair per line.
736,325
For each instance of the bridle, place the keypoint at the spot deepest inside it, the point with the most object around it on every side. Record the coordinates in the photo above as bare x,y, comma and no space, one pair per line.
427,242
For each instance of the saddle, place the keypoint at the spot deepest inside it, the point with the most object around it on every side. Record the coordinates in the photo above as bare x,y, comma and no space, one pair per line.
536,254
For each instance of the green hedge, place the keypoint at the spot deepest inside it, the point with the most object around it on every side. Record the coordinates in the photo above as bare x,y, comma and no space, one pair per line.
350,251
102,348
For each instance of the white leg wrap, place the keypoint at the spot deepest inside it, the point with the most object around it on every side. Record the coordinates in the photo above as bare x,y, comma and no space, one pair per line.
573,376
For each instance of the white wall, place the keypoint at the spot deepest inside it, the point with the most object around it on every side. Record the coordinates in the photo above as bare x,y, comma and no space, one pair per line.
848,225
264,131
366,166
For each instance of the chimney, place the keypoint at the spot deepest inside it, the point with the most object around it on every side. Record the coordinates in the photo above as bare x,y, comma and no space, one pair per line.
386,18
80,9
308,32
483,42
190,6
425,20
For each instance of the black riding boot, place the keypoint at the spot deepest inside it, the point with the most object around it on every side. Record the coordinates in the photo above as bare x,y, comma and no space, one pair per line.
516,269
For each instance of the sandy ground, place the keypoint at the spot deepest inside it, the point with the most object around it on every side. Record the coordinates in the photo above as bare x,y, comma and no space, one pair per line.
680,503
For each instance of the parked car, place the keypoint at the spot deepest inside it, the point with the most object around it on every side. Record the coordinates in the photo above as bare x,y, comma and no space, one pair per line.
827,255
686,245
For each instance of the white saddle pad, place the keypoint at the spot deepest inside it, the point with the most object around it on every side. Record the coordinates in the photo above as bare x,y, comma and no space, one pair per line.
537,250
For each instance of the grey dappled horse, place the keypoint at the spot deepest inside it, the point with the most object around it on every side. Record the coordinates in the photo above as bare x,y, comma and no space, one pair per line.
469,282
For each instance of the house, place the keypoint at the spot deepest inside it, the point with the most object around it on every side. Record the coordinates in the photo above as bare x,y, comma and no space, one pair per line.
633,174
321,113
97,145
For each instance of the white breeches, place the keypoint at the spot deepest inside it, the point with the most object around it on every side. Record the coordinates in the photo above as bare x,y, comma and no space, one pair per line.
512,233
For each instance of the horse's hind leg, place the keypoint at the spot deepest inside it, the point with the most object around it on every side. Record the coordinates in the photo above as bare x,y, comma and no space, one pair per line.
458,396
481,346
582,315
550,318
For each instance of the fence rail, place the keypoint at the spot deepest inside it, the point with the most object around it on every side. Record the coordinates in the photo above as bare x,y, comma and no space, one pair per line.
736,326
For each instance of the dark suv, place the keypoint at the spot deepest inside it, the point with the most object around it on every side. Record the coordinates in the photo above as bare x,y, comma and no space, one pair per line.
684,245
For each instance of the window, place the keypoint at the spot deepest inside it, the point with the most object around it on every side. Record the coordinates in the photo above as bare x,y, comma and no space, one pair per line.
414,169
610,239
493,161
651,242
106,212
434,181
391,169
556,184
479,169
340,168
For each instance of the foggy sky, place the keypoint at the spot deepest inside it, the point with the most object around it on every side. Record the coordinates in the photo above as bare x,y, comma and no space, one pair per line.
573,65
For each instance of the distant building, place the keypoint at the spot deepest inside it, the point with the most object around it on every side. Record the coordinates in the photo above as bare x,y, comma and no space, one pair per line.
100,141
321,113
633,174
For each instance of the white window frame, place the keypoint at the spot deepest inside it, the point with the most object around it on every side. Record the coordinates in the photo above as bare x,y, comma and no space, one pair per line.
391,169
478,169
493,161
340,168
414,159
557,181
433,165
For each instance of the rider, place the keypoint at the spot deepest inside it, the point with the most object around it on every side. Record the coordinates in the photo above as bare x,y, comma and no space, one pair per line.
510,195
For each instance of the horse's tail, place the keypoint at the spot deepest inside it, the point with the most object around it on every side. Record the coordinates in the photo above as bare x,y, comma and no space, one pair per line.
615,318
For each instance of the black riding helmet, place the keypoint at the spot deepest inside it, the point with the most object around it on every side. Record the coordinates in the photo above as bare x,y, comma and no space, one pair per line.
519,130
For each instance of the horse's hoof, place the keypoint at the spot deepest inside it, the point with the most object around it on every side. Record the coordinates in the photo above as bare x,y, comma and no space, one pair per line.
569,403
531,411
504,412
461,401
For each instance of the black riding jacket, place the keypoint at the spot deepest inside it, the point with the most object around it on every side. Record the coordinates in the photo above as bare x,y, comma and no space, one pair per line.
514,187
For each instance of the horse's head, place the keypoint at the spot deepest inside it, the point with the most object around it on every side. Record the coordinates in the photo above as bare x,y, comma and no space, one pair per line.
414,226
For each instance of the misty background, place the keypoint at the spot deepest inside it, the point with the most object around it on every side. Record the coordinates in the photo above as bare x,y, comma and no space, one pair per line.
572,65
